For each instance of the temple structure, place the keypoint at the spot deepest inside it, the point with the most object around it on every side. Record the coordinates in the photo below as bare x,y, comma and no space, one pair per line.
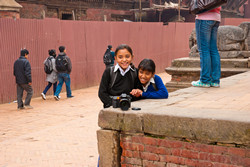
10,9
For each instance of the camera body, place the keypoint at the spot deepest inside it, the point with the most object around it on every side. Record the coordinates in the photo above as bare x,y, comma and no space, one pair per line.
123,101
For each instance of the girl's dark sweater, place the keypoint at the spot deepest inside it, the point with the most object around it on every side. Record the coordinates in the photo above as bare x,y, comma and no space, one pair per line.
123,84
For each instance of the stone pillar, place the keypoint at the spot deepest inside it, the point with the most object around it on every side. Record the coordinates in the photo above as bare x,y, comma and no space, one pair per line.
109,148
10,9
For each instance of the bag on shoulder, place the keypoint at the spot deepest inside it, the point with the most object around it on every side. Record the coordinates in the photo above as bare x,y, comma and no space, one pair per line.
61,63
107,58
201,6
48,67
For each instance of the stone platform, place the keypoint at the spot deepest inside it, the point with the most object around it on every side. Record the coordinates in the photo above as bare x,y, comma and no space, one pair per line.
207,116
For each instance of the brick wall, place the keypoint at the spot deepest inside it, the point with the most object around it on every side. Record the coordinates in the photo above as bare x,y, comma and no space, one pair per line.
98,14
9,14
138,150
32,11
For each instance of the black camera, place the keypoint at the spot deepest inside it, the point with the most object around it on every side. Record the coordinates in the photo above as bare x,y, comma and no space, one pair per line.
123,101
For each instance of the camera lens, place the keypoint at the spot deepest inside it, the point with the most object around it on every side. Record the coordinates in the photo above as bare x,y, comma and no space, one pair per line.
124,104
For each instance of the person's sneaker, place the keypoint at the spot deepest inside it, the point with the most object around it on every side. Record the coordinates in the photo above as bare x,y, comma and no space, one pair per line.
43,96
20,108
56,97
70,96
200,84
28,107
216,85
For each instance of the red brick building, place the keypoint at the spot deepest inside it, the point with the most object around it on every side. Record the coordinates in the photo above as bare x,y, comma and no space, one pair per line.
117,10
97,10
10,9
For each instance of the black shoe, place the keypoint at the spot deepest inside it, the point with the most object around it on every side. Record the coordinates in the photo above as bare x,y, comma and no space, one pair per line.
28,106
70,96
20,108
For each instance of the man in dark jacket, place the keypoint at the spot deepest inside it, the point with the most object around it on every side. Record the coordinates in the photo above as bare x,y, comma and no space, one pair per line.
63,66
22,72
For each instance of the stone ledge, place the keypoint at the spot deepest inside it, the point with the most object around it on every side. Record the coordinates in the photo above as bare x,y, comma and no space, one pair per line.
186,114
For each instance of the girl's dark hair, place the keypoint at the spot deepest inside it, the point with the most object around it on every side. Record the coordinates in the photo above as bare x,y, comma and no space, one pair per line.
124,46
148,65
52,52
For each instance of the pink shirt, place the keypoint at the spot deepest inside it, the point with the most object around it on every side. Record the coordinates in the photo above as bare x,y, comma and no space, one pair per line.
210,15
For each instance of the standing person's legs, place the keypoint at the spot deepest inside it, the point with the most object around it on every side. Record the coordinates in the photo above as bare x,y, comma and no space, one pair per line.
29,91
203,33
67,82
47,88
54,87
59,86
19,96
215,57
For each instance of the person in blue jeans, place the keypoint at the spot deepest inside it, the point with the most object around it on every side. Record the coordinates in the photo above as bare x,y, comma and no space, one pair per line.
206,25
64,67
52,77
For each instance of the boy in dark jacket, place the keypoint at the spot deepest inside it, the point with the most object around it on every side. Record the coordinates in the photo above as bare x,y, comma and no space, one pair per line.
64,67
22,72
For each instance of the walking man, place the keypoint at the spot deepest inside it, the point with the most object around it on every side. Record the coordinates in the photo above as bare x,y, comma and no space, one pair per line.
22,72
63,66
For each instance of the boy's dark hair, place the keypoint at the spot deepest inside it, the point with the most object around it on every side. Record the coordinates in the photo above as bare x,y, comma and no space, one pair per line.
52,52
61,48
24,51
110,47
148,65
124,46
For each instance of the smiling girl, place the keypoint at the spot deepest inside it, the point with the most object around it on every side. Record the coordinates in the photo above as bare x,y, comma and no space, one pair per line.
121,78
153,87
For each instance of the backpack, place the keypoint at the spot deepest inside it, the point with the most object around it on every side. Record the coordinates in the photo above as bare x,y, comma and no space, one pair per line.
48,67
107,58
61,63
113,76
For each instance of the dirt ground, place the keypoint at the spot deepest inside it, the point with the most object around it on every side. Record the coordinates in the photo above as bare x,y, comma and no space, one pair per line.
54,133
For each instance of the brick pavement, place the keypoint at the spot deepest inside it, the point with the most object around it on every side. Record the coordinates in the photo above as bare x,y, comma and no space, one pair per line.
54,133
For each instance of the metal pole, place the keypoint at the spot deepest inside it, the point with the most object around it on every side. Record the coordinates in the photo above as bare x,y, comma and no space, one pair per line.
140,9
179,11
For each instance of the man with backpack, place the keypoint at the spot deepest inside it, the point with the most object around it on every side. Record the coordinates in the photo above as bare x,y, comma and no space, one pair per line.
22,72
63,67
109,57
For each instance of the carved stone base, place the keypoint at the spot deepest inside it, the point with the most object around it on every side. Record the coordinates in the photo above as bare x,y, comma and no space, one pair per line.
226,54
186,70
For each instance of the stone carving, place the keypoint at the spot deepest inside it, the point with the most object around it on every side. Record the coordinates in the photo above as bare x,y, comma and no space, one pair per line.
233,41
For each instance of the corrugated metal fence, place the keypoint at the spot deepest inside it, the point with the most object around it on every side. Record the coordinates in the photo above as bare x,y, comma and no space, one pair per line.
85,43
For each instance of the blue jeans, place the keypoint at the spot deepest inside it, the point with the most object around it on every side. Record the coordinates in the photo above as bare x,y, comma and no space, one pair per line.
48,87
63,77
206,34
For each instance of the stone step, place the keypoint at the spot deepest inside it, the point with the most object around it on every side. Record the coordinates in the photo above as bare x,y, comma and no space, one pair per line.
226,54
192,74
195,62
173,85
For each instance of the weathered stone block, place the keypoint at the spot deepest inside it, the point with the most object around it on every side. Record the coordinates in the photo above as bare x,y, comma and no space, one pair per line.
120,120
109,148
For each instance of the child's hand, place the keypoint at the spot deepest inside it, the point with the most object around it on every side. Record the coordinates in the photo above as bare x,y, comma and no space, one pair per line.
136,92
